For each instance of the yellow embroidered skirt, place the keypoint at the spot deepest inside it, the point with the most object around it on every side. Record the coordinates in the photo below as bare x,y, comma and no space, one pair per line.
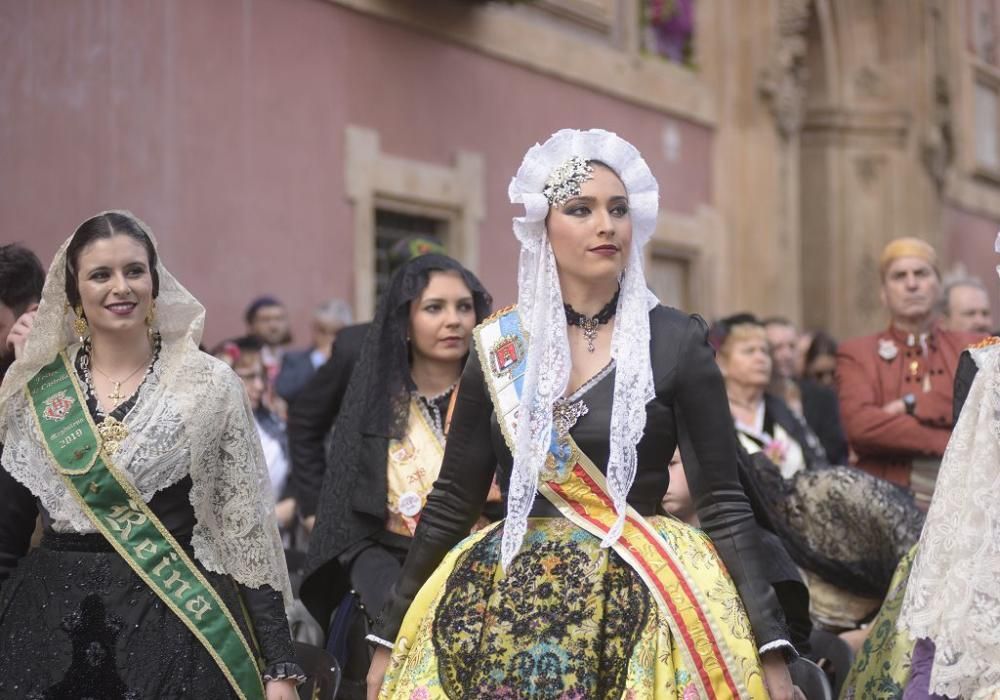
569,621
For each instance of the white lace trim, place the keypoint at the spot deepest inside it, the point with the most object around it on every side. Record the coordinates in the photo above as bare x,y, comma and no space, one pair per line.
192,417
540,305
953,596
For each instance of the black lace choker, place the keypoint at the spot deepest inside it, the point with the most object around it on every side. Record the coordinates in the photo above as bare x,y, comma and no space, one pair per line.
592,323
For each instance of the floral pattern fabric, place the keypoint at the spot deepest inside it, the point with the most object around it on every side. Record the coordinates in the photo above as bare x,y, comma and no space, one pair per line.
568,620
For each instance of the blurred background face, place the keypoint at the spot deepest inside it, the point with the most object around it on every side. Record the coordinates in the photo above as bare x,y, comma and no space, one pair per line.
591,234
442,319
250,368
324,333
783,340
823,369
270,325
910,288
7,318
969,310
745,359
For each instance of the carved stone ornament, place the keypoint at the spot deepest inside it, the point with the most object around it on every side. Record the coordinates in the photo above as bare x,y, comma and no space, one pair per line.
782,83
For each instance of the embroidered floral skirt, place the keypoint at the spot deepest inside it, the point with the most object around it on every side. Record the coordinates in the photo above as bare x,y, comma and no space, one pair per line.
881,669
570,620
80,624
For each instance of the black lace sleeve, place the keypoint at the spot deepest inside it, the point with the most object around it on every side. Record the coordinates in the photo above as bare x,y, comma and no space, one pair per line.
267,612
17,522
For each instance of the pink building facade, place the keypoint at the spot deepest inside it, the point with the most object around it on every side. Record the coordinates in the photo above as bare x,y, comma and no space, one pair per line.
223,126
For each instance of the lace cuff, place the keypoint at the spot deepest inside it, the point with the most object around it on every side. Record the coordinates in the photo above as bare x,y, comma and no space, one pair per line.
782,645
285,670
372,639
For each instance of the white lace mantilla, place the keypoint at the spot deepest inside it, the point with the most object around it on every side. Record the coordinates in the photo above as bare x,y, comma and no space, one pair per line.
953,594
540,305
192,417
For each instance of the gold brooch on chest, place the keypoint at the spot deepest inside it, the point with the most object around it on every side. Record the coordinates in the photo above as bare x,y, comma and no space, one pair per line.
113,432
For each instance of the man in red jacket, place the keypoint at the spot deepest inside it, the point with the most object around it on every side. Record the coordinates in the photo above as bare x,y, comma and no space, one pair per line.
896,386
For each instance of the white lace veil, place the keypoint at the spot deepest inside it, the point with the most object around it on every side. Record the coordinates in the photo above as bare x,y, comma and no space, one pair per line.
192,418
540,306
953,593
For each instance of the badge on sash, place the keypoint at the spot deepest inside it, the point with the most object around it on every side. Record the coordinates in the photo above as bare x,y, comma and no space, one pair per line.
505,354
410,504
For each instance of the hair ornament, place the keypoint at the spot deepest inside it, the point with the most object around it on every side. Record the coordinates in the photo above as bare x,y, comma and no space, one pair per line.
566,181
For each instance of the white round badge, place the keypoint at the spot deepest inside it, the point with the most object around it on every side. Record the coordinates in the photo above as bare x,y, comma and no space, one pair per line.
410,504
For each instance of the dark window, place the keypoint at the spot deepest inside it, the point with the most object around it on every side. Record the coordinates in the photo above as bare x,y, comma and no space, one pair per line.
392,227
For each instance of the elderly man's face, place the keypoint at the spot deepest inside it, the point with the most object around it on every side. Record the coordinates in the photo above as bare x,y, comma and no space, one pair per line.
969,310
910,288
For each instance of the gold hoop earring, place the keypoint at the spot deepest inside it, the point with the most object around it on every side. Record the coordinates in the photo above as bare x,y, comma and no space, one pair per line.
80,326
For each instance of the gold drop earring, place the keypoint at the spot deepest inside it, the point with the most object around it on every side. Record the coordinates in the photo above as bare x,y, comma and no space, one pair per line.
151,318
80,326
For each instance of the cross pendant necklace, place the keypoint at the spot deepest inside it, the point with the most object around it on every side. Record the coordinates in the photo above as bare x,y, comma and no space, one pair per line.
116,395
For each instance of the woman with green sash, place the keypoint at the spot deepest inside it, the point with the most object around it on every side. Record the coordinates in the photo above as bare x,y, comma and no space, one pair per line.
160,573
579,395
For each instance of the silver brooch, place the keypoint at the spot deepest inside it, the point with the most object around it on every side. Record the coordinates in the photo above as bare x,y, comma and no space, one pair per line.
887,349
566,414
567,180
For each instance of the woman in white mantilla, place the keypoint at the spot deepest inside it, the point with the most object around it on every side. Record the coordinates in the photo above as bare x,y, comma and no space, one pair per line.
580,394
160,572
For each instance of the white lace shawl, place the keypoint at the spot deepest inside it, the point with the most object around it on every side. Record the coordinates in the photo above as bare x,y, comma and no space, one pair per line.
953,594
192,417
540,306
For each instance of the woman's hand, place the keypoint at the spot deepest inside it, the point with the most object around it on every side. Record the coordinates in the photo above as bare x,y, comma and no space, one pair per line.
18,334
776,677
376,672
281,690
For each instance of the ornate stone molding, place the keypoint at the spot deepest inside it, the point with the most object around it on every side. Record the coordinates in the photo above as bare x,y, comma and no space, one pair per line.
782,83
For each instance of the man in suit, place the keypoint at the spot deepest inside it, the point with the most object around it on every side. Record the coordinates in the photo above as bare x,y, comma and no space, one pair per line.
895,386
314,411
814,402
298,367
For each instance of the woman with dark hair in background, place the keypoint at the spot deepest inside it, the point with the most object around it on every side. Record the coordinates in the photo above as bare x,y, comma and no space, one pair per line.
821,360
388,445
160,572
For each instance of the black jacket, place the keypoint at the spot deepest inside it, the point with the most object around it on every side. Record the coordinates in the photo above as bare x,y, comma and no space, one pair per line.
690,409
822,412
312,414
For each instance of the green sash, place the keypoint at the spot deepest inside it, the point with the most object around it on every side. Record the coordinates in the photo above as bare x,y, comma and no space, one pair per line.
118,512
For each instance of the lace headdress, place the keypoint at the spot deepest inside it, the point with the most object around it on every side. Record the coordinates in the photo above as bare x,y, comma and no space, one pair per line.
550,173
192,418
953,596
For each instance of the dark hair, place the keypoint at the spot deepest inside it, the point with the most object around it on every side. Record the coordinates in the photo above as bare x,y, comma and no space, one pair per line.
258,304
777,321
99,227
21,278
822,344
383,366
236,347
